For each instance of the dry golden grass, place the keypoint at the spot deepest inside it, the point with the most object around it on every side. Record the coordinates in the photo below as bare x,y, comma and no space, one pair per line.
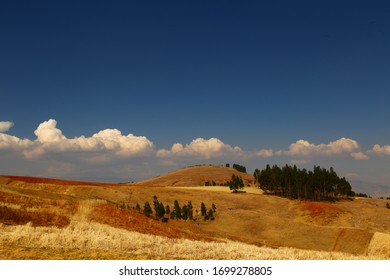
251,189
90,237
83,237
19,200
380,246
17,209
197,176
9,252
99,229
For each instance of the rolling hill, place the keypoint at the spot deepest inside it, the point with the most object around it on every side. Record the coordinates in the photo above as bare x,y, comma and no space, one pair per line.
197,175
57,219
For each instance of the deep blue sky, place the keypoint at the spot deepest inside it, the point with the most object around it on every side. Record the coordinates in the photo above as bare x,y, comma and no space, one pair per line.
254,74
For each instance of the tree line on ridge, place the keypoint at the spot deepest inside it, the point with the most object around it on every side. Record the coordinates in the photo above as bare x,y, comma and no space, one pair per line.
294,183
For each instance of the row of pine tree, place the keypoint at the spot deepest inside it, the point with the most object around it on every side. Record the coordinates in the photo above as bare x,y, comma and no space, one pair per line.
185,212
294,183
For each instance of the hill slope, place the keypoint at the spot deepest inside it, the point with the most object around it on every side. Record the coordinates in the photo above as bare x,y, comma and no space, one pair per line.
197,176
5,179
42,218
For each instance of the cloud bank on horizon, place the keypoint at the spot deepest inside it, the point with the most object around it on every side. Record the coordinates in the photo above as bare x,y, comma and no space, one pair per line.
110,155
51,140
113,144
342,146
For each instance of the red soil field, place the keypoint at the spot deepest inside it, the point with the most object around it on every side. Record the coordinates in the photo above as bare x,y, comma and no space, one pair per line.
132,220
323,213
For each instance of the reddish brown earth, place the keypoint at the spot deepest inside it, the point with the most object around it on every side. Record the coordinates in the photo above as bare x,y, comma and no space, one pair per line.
322,213
134,221
11,216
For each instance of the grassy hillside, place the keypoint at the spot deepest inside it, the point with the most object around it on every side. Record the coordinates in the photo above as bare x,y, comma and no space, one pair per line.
197,176
47,219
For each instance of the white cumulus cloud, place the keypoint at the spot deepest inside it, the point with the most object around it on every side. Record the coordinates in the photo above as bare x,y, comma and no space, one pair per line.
5,126
47,132
380,150
359,156
9,142
341,146
123,145
204,148
263,153
50,139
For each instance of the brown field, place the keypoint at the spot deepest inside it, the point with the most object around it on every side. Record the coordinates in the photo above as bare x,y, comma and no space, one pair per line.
56,219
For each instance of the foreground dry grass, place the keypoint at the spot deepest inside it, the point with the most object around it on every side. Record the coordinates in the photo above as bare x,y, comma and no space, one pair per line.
92,240
83,238
380,245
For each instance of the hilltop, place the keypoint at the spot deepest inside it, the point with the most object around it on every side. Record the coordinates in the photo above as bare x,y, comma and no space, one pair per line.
197,175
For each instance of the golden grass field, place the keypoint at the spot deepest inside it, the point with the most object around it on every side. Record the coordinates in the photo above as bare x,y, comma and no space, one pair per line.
44,219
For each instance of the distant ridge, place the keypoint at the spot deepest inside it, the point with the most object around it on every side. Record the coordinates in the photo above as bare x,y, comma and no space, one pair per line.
197,175
5,179
371,189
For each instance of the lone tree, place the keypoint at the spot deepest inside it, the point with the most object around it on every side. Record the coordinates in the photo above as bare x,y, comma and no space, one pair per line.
167,210
190,211
203,209
159,208
177,210
147,209
184,212
236,183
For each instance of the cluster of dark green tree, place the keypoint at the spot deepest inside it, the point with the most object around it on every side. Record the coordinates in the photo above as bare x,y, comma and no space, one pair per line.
236,183
208,214
186,212
240,168
295,183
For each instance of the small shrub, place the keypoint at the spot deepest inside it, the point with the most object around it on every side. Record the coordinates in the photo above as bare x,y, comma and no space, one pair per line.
210,215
